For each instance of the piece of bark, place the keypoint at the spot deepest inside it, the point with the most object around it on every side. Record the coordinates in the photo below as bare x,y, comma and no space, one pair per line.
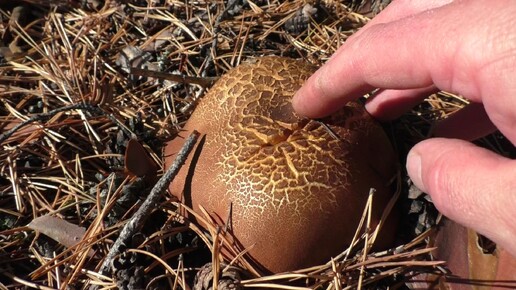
471,266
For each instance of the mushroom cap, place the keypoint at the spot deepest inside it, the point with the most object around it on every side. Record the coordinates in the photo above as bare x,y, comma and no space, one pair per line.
297,187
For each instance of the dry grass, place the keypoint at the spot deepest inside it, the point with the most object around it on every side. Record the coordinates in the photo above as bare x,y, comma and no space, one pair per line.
66,69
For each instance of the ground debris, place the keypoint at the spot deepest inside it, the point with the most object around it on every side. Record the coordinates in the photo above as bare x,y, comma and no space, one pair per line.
70,103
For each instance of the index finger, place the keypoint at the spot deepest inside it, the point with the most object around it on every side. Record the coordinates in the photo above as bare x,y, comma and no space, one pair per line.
392,55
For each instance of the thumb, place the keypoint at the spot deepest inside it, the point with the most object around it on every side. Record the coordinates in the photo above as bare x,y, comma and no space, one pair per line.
470,185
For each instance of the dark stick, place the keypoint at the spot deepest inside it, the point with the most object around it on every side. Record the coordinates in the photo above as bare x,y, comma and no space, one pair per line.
216,28
137,220
42,117
45,116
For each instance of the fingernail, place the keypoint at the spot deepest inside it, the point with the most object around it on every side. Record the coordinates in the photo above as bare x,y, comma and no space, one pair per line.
414,170
295,101
296,105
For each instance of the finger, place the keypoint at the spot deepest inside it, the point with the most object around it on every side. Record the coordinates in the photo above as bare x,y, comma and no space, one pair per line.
383,55
468,123
470,185
390,104
409,53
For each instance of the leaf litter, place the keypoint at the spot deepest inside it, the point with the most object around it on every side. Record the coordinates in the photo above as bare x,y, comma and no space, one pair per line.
81,82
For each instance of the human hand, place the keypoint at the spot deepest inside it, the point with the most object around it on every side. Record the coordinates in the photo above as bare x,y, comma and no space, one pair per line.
413,48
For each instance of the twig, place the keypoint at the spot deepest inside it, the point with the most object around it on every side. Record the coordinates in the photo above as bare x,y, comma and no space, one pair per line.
329,130
202,81
45,116
42,117
216,28
137,220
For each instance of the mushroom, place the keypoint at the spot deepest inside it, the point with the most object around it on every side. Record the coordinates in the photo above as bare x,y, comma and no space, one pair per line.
296,187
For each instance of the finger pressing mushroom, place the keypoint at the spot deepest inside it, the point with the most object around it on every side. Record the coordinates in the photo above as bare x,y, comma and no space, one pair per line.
297,187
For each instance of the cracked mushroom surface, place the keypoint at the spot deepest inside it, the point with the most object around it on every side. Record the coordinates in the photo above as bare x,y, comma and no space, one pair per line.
297,187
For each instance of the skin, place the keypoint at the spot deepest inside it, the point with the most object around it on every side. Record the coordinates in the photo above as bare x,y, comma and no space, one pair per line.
413,48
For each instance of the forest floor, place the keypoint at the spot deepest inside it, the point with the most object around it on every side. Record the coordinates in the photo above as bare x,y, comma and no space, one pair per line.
79,79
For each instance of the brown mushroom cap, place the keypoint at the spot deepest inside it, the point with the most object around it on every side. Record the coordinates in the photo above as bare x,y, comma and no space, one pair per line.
297,191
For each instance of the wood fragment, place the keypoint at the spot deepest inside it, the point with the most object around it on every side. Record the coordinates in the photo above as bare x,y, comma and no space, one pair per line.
136,222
